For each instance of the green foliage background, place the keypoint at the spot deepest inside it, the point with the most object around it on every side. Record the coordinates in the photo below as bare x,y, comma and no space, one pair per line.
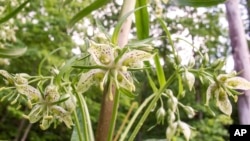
45,29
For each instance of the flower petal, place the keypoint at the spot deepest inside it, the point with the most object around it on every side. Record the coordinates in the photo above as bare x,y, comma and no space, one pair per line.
238,83
135,58
51,93
102,54
126,81
223,102
210,90
29,91
45,123
185,130
88,79
62,115
35,114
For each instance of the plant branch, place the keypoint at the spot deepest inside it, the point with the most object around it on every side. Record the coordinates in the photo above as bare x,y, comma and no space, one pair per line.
105,118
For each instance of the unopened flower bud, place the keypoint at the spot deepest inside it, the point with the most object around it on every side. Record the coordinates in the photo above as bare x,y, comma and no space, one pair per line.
190,111
160,115
189,79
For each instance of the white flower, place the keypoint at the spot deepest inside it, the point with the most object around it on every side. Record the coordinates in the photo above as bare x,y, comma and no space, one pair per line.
221,89
113,66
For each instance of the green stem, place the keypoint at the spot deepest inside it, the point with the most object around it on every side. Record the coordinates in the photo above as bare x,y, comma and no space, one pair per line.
85,128
144,104
78,127
150,107
88,121
114,116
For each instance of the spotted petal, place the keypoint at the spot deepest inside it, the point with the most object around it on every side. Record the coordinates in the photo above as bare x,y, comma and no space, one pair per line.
102,54
135,58
238,83
126,81
88,79
29,91
62,115
36,113
210,91
223,102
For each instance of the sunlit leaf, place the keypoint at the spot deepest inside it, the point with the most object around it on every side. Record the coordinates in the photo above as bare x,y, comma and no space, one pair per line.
199,3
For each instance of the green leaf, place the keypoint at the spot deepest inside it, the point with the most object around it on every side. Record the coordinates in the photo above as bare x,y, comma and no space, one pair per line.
11,52
142,20
199,3
87,10
159,71
13,13
127,92
78,130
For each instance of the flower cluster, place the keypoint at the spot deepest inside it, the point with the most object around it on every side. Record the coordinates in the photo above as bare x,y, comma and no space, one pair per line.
48,106
112,65
224,86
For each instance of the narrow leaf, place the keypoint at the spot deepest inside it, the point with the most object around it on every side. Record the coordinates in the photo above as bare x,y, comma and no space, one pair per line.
13,13
142,20
159,71
11,52
127,92
199,3
84,12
